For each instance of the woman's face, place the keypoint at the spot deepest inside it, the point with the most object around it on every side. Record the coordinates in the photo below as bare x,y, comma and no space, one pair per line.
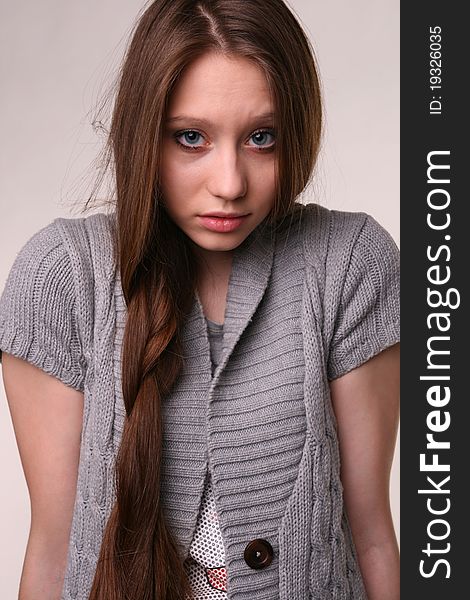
221,114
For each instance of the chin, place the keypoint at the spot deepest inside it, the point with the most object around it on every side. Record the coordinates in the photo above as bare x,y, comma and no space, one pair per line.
221,247
218,242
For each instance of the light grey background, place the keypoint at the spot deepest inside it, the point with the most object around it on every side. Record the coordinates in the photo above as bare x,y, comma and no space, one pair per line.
57,57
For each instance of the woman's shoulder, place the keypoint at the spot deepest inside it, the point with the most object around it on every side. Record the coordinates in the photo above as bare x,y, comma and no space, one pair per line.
47,304
94,233
79,249
75,235
321,222
353,271
333,235
316,221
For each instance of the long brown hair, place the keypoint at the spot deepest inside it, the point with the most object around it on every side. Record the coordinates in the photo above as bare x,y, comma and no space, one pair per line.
139,558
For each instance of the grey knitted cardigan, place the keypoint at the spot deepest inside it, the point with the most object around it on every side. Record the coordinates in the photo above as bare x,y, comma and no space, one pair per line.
307,302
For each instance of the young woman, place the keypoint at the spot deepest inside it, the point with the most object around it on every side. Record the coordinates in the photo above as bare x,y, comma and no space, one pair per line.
204,382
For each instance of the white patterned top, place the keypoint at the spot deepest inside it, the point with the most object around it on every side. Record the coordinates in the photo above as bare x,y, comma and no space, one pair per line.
206,561
205,564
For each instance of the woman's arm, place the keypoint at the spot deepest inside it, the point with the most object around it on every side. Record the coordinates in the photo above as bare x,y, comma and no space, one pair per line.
47,419
366,404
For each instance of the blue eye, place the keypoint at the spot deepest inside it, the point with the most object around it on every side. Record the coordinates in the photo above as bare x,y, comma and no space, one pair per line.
263,133
191,136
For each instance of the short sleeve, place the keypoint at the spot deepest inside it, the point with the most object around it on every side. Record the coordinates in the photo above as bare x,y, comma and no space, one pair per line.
368,316
37,309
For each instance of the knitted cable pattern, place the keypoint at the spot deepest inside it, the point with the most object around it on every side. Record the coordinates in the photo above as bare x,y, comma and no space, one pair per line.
306,304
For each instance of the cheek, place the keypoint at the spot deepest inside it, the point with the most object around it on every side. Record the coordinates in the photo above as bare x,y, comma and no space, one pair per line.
180,188
177,169
168,160
171,181
263,179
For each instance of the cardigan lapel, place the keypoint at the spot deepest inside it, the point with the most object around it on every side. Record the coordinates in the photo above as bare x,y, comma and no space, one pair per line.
255,420
251,269
188,407
185,408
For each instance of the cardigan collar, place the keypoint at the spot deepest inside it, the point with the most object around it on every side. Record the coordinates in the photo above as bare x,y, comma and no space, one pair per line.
252,263
249,277
250,272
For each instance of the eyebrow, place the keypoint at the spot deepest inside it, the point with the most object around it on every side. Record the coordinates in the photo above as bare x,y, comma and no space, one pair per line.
267,115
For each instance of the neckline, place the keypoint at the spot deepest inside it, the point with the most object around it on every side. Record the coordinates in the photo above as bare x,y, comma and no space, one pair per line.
214,324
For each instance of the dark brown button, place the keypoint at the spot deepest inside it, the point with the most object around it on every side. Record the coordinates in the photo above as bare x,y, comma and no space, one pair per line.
258,554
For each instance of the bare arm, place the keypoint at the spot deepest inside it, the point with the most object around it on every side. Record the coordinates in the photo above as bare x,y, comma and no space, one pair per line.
47,419
366,404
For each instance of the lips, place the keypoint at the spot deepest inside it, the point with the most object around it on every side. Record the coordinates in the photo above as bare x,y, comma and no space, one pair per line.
222,215
221,223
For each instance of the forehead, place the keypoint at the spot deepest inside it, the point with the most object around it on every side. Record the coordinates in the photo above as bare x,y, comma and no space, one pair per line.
216,86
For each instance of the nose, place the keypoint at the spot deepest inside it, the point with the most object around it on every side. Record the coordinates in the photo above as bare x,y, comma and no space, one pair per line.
228,179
